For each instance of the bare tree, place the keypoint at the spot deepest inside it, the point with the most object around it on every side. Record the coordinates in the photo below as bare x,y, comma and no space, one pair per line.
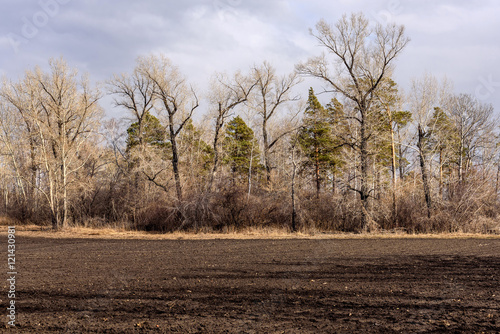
474,124
175,98
225,95
13,142
63,115
134,93
273,91
426,94
363,57
19,131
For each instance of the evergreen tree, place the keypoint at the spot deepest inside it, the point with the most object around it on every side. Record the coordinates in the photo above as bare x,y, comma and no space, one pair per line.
241,148
316,137
339,129
153,134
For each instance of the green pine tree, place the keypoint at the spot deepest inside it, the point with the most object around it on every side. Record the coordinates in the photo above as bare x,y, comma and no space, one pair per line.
241,148
153,134
316,137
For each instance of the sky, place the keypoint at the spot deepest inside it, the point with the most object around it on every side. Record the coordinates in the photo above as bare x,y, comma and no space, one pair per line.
458,39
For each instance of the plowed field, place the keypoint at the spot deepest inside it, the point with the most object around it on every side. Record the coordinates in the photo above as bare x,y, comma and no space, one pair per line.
256,286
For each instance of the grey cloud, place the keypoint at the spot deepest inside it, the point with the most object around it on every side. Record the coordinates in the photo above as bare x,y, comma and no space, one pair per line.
456,38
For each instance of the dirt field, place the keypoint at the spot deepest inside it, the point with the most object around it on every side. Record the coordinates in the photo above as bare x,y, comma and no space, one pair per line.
257,286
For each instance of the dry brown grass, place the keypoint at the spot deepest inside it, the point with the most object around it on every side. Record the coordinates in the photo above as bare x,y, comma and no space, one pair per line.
251,233
119,231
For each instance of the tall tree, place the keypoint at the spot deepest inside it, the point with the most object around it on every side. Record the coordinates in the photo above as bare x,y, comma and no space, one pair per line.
474,123
272,92
63,114
226,94
426,94
317,140
443,137
242,149
134,94
391,118
363,56
18,137
175,98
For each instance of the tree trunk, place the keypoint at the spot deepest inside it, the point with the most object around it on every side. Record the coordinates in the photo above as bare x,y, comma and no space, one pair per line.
425,177
294,210
65,199
394,179
250,172
317,173
175,159
266,152
32,203
460,163
55,224
441,174
364,191
334,188
498,175
218,127
400,154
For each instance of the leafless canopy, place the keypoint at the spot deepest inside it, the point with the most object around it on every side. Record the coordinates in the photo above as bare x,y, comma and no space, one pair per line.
363,55
272,92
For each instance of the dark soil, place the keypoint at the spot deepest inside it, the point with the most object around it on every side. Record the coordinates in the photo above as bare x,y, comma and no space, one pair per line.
257,286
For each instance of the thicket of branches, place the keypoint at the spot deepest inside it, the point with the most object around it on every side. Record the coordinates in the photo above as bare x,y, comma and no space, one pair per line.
260,156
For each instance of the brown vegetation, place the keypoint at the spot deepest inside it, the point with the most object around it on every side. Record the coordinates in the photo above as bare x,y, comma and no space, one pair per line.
370,159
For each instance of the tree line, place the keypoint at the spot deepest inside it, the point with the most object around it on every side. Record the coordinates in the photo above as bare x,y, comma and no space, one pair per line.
370,158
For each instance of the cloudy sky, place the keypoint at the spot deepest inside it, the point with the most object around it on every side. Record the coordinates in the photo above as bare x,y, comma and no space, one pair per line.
456,38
